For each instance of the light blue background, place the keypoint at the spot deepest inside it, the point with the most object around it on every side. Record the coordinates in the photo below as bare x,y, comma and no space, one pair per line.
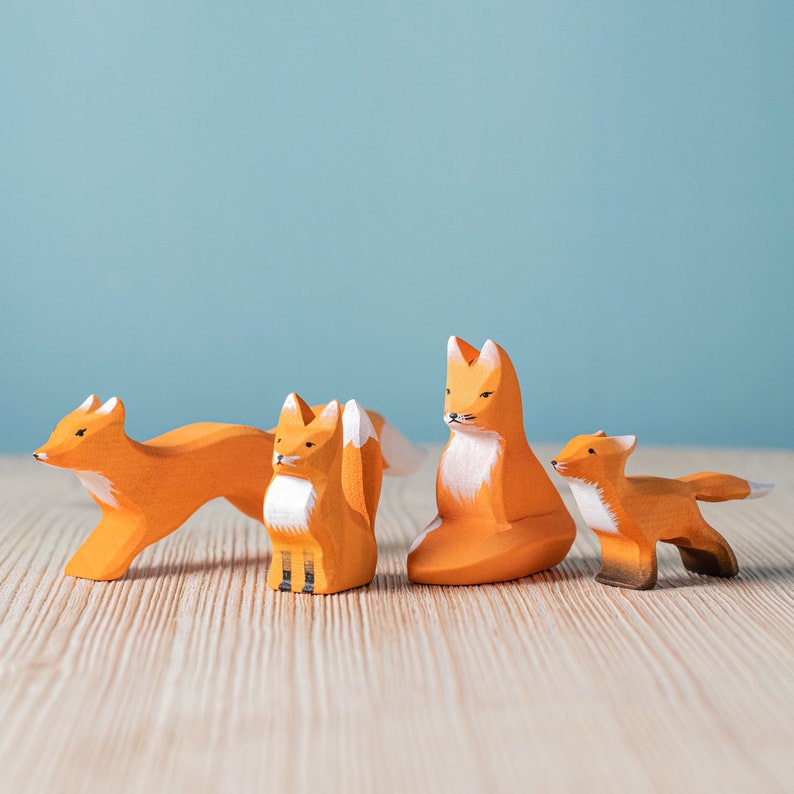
205,206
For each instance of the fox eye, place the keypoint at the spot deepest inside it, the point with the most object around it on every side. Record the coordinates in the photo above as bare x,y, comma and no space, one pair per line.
81,431
486,394
278,441
448,391
309,443
591,451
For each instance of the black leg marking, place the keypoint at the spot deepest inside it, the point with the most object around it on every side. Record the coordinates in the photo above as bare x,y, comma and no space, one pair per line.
308,570
286,568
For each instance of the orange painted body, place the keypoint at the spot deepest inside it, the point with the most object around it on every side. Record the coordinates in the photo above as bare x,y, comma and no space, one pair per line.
147,490
320,505
499,515
631,514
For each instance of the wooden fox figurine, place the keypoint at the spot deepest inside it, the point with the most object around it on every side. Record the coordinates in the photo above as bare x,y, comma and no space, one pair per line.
320,505
147,490
499,515
631,514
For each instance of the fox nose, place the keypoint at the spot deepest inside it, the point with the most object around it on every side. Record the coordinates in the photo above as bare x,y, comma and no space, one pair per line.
554,463
453,416
36,455
279,457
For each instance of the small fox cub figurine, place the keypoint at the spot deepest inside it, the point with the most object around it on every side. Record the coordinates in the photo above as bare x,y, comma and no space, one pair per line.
147,490
321,503
499,515
631,514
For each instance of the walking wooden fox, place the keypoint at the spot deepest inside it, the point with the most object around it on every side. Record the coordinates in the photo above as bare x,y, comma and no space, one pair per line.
631,514
321,503
499,515
147,490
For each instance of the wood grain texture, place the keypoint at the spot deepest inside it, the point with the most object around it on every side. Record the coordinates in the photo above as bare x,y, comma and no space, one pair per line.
190,674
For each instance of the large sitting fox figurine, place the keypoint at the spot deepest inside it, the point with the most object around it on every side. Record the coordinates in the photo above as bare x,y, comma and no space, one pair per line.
147,490
320,505
499,515
631,514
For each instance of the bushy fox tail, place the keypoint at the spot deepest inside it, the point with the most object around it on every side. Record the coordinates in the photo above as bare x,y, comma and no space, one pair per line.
400,456
711,486
362,462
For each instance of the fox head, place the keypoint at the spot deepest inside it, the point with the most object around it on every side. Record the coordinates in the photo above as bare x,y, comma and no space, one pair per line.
482,391
81,436
593,458
306,444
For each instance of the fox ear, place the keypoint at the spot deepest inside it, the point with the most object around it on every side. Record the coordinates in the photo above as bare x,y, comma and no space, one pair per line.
599,434
91,403
113,407
460,352
295,411
626,443
357,425
490,355
330,414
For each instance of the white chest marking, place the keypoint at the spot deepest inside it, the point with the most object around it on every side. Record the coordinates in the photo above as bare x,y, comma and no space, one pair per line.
468,461
99,486
289,502
596,513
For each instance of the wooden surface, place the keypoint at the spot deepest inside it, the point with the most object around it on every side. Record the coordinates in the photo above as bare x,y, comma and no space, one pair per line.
189,674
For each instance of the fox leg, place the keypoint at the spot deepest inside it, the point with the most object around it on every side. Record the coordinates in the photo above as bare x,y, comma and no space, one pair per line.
308,571
109,550
626,563
705,551
286,572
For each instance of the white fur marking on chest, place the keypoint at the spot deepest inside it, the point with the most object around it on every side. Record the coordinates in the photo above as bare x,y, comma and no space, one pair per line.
289,503
468,461
595,511
99,486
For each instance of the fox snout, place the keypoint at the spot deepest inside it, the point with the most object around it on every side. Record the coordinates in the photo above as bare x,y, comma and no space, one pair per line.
40,456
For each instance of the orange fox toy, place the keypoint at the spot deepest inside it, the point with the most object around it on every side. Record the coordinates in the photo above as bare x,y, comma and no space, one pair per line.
631,514
321,503
147,490
499,515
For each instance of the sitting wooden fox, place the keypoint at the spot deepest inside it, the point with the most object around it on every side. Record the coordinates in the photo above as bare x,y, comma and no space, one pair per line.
631,514
321,503
147,490
499,515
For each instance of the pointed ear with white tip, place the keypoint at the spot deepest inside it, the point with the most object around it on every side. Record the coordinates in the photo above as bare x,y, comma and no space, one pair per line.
460,352
489,355
626,443
112,407
296,411
357,425
91,403
599,434
330,414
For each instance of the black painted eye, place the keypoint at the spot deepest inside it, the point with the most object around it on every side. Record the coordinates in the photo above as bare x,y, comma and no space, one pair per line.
278,441
591,451
448,391
309,443
81,431
486,394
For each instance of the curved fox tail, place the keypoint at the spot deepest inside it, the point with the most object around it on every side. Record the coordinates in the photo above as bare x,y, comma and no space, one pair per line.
711,486
362,462
400,456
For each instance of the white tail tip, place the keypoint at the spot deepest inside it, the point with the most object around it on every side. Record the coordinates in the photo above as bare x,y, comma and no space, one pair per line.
356,425
759,489
400,455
